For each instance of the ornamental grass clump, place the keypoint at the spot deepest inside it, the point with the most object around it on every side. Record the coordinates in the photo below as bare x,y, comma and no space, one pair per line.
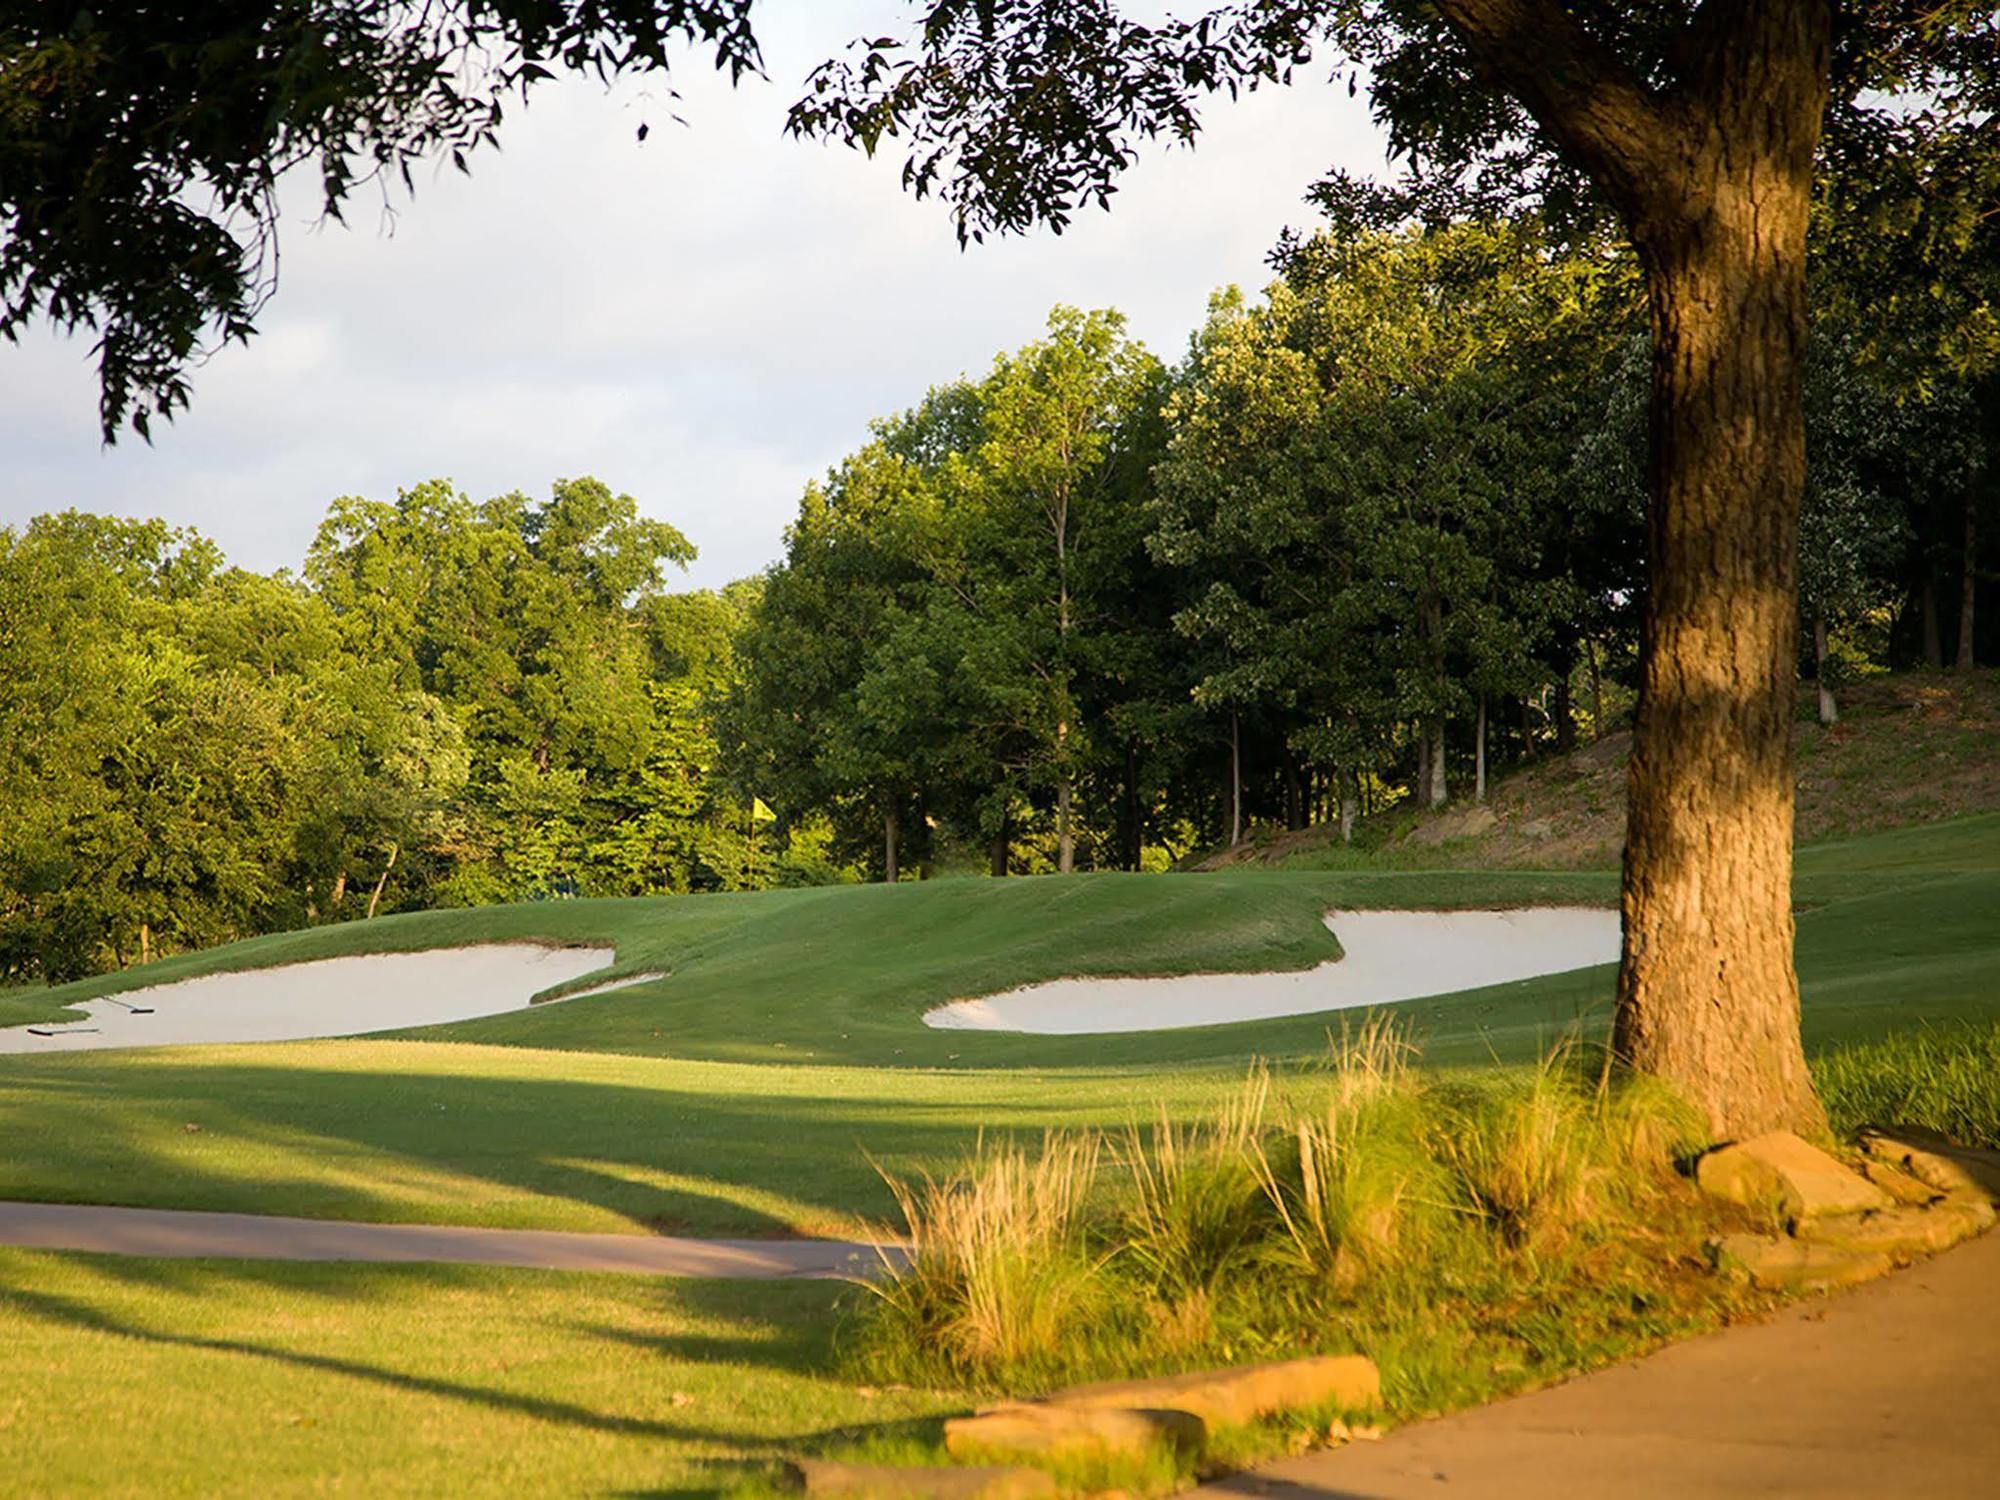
1000,1278
1189,1217
1569,1146
1533,1216
1520,1156
1348,1183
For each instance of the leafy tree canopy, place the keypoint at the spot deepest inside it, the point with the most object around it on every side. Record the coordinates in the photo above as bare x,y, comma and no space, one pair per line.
141,146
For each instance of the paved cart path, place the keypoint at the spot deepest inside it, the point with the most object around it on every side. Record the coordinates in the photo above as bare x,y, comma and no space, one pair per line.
1889,1390
178,1233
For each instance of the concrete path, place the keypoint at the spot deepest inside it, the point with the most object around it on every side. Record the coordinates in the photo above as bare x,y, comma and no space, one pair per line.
179,1234
1890,1390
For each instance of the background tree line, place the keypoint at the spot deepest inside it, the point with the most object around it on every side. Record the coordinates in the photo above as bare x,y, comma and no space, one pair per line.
1377,535
456,703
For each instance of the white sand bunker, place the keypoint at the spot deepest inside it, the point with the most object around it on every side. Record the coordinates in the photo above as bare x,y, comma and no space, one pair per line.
1388,956
326,997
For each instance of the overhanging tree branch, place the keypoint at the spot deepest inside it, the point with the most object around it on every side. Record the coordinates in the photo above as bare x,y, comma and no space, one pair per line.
1596,108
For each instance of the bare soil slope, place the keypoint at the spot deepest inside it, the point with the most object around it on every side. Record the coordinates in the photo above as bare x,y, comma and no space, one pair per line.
1910,748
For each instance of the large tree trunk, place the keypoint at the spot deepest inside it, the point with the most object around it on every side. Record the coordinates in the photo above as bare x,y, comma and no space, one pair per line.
1712,176
1968,580
889,831
1707,995
1829,711
1350,803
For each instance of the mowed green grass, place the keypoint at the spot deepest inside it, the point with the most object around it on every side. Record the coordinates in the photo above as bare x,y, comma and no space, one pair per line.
797,1062
752,1092
137,1377
845,973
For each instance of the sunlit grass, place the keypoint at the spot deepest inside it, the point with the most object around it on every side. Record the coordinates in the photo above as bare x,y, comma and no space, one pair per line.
133,1377
1946,1078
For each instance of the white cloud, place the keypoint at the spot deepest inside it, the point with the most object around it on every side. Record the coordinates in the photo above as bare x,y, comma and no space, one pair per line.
706,320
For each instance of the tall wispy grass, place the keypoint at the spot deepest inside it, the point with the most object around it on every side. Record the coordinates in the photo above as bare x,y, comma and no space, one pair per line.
1187,1219
1305,1209
1348,1181
1001,1268
1943,1077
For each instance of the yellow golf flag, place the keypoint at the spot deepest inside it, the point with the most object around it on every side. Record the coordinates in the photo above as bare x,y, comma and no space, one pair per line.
759,813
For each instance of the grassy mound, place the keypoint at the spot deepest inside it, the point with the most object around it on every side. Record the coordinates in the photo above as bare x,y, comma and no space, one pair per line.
744,1094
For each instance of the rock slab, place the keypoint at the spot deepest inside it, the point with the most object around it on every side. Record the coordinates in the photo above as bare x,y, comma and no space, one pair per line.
839,1481
1233,1397
1779,1263
1903,1233
1936,1161
1801,1181
1050,1433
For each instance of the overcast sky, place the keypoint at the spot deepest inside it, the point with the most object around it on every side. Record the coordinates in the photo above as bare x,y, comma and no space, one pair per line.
706,320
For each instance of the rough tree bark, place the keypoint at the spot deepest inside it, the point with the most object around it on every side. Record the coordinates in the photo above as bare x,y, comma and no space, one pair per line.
1562,704
1437,790
1712,177
1065,829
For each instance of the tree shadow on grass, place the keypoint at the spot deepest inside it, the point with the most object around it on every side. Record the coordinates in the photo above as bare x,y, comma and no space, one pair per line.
69,1312
338,1144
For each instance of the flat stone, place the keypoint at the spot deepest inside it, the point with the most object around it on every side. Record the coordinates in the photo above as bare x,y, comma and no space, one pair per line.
1905,1232
1780,1170
869,1481
1899,1184
1041,1431
1235,1397
1782,1264
1936,1160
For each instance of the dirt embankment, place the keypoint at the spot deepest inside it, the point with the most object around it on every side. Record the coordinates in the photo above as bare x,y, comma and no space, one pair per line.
1910,748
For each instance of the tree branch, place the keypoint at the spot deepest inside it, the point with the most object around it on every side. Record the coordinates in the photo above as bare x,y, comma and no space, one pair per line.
1597,110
